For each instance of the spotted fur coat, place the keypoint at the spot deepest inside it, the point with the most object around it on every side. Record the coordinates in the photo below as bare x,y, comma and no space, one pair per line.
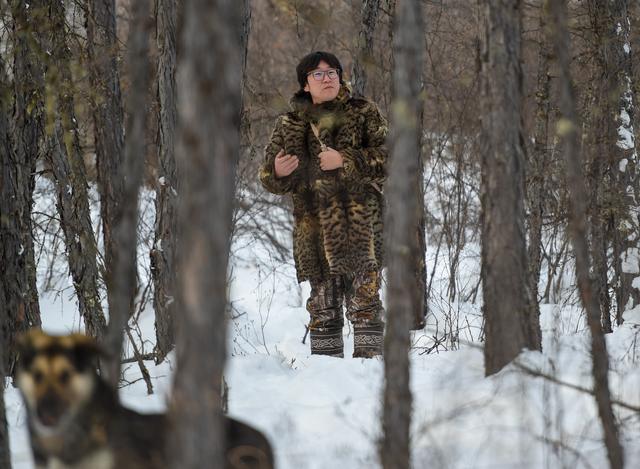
337,213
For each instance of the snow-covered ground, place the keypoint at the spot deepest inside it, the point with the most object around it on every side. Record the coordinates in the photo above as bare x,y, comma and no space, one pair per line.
322,412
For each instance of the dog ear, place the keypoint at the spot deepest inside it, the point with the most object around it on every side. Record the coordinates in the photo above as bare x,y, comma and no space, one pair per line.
26,346
85,351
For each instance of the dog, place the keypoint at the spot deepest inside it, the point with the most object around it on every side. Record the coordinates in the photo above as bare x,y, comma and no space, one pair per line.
76,421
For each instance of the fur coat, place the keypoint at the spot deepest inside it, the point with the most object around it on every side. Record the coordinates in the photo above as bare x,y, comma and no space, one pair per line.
338,213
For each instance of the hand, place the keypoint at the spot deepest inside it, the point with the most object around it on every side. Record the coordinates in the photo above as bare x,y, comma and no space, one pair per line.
285,164
330,159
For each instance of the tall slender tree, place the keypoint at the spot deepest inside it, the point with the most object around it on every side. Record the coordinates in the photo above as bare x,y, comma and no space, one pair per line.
567,129
124,282
19,158
538,159
106,107
163,253
402,221
6,302
613,159
64,156
207,153
509,325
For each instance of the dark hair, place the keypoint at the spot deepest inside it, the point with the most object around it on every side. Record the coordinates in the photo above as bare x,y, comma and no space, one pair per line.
310,62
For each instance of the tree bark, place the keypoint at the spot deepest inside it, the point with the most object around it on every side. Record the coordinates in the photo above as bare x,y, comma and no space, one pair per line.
538,161
402,222
567,129
5,454
124,282
64,155
509,325
6,301
106,104
19,158
364,60
163,253
625,226
207,154
420,266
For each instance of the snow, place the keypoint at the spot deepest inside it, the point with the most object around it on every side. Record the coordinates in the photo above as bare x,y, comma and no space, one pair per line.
322,412
622,166
631,261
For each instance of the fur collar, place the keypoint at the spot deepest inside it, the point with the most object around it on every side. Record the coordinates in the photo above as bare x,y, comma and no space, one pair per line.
304,108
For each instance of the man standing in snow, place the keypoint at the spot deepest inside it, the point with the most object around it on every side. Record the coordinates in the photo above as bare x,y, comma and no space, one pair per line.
329,153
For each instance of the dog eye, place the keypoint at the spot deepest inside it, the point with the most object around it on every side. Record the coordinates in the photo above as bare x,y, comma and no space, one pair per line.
64,377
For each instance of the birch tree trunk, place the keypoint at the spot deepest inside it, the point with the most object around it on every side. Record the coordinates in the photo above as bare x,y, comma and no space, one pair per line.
64,155
16,191
209,78
163,253
124,282
509,322
107,111
567,129
402,222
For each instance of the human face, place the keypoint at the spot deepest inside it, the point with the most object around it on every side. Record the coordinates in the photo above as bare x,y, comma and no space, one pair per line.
322,90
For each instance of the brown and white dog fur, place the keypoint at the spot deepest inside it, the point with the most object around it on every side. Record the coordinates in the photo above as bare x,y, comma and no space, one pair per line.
75,419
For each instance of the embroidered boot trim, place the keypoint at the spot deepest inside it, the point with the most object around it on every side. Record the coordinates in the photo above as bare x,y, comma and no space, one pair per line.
327,342
368,340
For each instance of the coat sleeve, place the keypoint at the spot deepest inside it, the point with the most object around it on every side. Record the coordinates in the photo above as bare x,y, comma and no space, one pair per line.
267,171
368,163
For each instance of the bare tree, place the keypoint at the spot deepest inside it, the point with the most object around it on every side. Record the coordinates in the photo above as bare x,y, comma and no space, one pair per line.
5,454
64,156
6,251
615,52
402,221
19,157
207,153
364,60
124,282
163,253
538,158
509,325
568,129
106,104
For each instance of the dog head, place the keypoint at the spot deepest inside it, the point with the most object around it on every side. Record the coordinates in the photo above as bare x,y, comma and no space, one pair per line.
56,376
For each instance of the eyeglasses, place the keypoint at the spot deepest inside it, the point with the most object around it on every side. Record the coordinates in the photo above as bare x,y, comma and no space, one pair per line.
318,75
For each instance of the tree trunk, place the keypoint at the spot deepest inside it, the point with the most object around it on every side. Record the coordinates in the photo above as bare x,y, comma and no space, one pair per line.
64,155
6,300
364,60
16,191
568,129
163,253
402,222
106,104
538,162
625,227
420,266
207,155
509,325
125,280
5,454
